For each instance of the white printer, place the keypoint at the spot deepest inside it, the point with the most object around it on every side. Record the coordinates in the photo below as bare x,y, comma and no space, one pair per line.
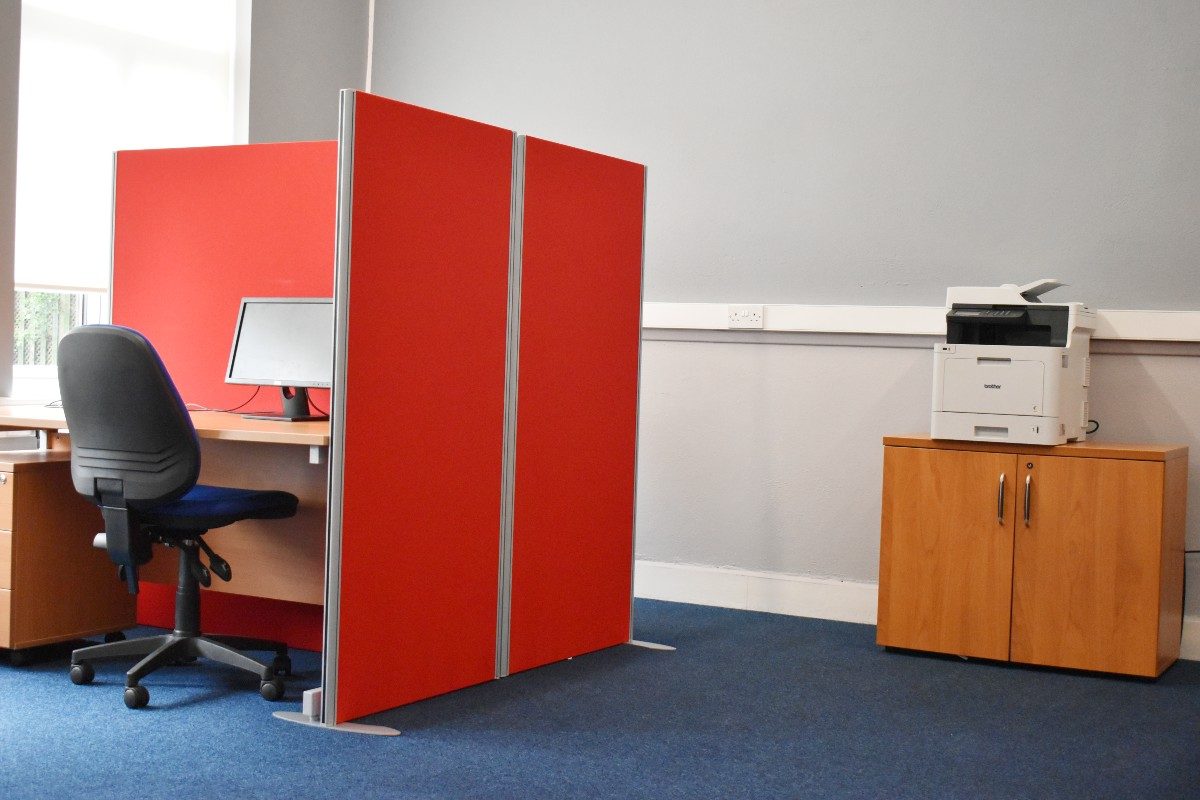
1013,369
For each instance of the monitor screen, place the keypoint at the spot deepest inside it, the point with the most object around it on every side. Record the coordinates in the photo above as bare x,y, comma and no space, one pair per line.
283,341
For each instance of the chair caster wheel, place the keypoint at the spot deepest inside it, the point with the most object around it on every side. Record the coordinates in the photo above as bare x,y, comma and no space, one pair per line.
136,696
82,673
115,636
281,665
271,690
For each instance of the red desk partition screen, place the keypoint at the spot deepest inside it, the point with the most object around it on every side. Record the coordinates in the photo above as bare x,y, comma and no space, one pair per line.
198,229
423,405
576,403
194,231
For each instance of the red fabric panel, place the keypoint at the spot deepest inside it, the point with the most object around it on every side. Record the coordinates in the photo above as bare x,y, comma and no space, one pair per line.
577,403
198,229
195,231
297,624
424,405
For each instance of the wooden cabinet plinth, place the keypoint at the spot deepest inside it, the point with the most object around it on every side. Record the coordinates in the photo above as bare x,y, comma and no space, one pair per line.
54,586
1068,556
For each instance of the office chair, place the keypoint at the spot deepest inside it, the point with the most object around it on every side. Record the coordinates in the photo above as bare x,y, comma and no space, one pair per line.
134,453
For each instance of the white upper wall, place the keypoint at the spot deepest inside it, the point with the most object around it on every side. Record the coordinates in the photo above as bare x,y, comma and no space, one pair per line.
302,53
853,151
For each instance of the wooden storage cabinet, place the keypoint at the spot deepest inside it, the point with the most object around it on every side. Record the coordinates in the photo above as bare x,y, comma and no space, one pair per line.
54,586
1068,556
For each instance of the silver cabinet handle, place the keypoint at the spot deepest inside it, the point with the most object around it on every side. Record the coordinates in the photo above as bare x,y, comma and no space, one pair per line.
1000,501
1028,492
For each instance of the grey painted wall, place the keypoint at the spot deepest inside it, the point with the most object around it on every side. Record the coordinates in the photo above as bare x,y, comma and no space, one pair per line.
767,457
853,151
302,53
10,67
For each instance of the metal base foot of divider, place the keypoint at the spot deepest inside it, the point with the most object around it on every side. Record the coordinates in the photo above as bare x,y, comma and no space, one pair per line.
345,727
650,645
309,715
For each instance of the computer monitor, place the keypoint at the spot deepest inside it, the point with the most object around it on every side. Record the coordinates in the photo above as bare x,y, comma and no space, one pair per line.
285,342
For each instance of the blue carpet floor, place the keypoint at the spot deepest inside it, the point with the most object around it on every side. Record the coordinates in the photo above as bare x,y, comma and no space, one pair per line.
751,705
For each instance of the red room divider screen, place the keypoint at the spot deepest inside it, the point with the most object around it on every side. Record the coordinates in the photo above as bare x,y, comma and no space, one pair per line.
581,283
419,403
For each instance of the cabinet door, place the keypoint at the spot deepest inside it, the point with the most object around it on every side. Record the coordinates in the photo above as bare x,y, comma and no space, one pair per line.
1086,569
945,573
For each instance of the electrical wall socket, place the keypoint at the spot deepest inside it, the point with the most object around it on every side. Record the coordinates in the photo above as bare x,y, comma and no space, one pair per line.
746,316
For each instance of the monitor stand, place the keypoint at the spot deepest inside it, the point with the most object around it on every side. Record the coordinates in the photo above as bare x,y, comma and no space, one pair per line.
295,408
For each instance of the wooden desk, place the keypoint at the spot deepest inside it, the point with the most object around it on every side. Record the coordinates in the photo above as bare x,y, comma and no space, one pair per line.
209,425
278,559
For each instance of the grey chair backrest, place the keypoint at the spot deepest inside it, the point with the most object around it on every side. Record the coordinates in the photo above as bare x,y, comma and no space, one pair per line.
126,419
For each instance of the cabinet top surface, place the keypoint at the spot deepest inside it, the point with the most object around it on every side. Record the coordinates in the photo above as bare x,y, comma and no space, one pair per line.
1088,449
21,460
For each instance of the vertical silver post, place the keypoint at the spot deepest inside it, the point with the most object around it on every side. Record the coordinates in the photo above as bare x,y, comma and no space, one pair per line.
516,232
337,411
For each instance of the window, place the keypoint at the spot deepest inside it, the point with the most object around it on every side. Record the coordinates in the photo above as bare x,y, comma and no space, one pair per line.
40,319
98,77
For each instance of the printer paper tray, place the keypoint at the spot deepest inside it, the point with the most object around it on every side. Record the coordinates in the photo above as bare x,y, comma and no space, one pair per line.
998,428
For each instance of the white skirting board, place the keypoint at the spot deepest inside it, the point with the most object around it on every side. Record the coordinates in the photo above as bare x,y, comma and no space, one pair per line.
795,595
777,593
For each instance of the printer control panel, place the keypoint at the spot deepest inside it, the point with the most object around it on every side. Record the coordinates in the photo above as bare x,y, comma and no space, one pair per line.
991,313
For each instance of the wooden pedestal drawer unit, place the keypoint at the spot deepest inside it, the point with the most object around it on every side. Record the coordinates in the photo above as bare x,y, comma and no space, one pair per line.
1068,556
54,586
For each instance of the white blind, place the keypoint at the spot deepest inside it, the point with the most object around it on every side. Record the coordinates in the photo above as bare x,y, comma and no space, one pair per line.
99,76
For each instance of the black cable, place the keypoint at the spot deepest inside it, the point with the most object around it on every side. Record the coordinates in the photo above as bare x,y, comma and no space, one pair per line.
313,403
243,405
1093,430
199,407
1185,572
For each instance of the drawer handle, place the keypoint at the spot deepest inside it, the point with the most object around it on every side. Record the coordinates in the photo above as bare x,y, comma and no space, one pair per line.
1000,501
3,478
1028,492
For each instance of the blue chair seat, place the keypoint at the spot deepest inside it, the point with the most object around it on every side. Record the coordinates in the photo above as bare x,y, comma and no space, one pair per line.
205,507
